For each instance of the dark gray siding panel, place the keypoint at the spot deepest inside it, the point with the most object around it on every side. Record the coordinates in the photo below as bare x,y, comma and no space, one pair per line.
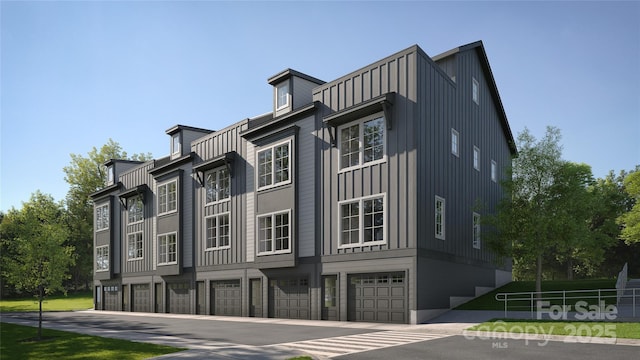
397,73
211,147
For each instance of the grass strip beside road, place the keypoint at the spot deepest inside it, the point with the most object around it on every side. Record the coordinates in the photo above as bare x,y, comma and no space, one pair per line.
71,302
18,343
611,329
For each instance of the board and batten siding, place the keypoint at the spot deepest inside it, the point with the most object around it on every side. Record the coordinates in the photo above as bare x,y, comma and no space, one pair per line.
395,177
447,105
306,178
210,147
131,179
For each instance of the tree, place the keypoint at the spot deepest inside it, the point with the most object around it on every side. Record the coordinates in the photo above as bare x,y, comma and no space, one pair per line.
86,175
631,219
42,260
524,223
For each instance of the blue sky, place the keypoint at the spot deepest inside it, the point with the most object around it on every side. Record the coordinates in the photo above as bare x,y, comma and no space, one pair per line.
74,74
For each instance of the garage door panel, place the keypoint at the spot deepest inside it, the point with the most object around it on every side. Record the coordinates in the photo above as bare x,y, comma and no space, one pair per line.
289,298
377,298
226,297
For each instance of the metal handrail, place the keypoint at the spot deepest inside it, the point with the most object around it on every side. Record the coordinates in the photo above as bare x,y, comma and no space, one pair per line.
532,296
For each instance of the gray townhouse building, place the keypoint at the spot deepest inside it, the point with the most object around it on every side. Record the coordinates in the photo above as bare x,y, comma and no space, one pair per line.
358,199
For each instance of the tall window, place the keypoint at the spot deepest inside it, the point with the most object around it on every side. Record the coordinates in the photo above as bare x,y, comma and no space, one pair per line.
110,175
274,233
102,258
135,209
102,217
362,143
282,96
494,171
362,221
476,231
274,165
175,145
217,232
455,142
134,246
167,249
476,91
217,185
476,158
167,197
440,214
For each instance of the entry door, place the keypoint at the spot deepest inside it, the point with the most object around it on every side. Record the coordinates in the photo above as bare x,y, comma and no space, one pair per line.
98,297
200,302
125,298
158,296
255,296
330,297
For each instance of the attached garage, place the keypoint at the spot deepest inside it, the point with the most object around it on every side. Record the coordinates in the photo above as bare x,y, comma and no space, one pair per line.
111,298
380,297
141,297
226,298
289,298
178,298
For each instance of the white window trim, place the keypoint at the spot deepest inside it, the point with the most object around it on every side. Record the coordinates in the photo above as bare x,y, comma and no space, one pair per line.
108,258
177,248
476,242
129,209
217,172
361,163
361,242
128,239
475,95
96,217
111,175
286,104
273,166
204,245
476,158
455,151
273,230
158,197
176,150
444,222
494,171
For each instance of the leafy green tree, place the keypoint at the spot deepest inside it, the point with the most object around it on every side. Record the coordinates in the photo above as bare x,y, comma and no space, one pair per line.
631,219
86,175
524,224
42,258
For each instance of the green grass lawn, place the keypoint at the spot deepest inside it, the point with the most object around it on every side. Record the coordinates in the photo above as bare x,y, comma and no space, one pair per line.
66,345
489,302
76,301
627,330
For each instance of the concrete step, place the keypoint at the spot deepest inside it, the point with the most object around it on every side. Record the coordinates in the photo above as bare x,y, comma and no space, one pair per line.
458,300
481,290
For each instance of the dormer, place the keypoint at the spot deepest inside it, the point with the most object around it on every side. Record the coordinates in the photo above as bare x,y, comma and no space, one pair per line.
181,138
291,90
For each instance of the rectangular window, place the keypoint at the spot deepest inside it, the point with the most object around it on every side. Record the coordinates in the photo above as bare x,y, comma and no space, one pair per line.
134,246
274,165
494,171
476,158
217,185
217,232
135,209
168,197
363,142
476,91
362,221
167,249
102,258
282,96
440,217
175,145
274,234
455,144
102,217
110,175
476,231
